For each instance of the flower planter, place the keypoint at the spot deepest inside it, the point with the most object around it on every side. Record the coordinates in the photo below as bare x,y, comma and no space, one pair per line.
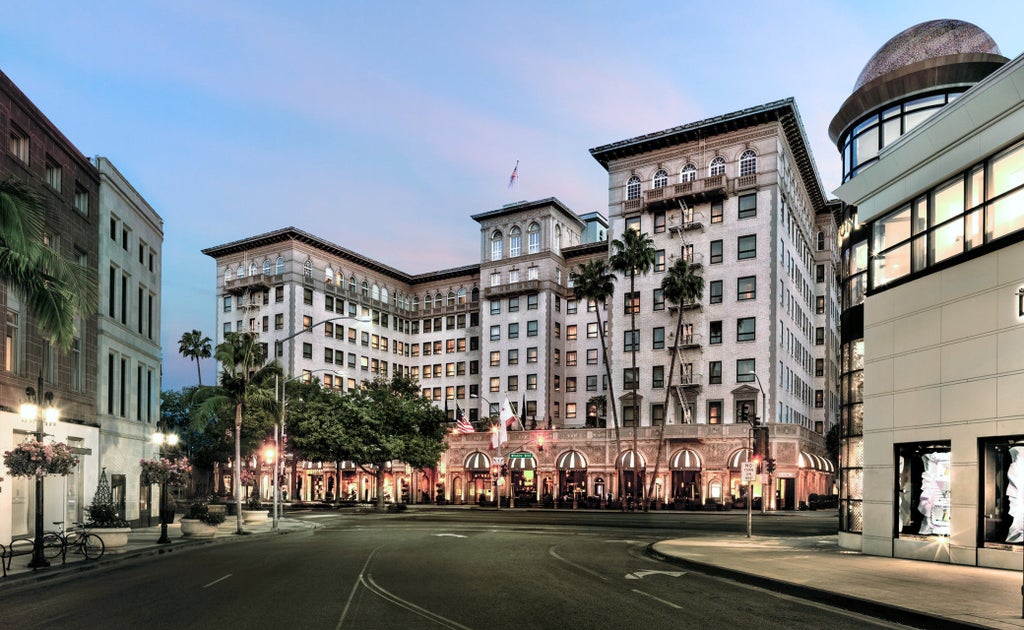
194,528
115,539
255,516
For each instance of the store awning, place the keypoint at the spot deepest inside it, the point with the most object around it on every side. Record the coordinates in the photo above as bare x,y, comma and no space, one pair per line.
684,459
631,460
348,465
522,463
810,461
571,460
738,457
478,462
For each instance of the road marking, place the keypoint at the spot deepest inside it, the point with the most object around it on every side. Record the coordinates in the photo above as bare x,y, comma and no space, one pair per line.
657,599
451,535
386,595
627,541
554,554
217,580
642,574
352,593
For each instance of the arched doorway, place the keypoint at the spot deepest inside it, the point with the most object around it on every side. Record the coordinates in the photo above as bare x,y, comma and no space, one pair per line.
685,465
631,464
572,476
522,467
478,476
737,489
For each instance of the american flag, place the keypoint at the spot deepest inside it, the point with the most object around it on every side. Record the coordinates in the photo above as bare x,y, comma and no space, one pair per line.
515,175
462,424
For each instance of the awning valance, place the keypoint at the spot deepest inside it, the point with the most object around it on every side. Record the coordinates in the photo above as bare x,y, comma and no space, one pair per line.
631,460
522,463
738,457
815,462
348,465
684,459
571,460
478,462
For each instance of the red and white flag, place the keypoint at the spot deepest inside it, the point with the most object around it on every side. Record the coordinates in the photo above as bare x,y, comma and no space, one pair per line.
515,176
462,424
508,417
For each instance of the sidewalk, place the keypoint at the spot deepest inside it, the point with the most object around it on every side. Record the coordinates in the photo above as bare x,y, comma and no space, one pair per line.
916,593
141,542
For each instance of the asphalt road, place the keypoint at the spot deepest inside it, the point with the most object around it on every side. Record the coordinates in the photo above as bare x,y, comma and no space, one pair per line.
418,570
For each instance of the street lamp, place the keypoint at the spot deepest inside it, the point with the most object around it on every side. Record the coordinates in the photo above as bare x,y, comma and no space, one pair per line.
41,414
160,439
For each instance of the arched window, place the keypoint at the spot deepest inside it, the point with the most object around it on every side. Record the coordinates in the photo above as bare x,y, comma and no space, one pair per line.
307,268
688,174
821,241
633,188
717,166
558,239
339,280
227,275
515,242
415,302
375,294
451,299
280,265
384,295
351,284
437,300
266,266
496,245
462,296
661,179
366,289
748,163
475,295
240,272
252,268
329,275
533,236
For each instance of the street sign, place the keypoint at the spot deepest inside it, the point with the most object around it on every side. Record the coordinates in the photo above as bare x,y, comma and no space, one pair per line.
498,460
519,456
748,472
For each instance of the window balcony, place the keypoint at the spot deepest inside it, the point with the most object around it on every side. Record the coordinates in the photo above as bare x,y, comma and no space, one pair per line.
693,341
256,282
514,288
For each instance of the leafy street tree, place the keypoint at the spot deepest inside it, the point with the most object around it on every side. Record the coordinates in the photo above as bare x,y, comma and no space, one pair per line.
682,285
633,255
384,421
246,387
54,289
593,282
194,345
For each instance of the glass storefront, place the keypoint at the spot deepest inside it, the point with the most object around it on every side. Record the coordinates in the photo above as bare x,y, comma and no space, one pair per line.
1002,487
922,489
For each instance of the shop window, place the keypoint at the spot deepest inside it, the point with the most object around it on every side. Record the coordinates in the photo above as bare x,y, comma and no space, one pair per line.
1002,487
922,489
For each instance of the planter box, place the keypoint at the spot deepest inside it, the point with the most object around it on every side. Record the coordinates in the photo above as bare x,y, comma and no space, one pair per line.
194,528
255,516
115,539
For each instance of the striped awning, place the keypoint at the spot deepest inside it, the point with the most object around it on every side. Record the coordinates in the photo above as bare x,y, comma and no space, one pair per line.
571,460
522,463
815,462
478,462
348,465
631,460
738,457
684,459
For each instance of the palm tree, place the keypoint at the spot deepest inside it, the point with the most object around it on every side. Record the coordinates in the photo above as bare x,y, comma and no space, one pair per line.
246,383
682,285
592,282
193,345
54,289
634,254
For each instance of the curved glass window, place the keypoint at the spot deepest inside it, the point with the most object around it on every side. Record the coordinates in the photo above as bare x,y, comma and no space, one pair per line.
533,235
280,265
366,289
266,267
252,268
688,174
240,272
633,188
496,245
748,163
227,275
307,269
660,179
462,296
351,284
450,301
717,167
515,242
437,300
384,295
329,275
375,292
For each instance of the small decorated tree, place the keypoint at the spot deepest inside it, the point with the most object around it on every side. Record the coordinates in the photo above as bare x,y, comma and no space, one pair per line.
33,458
102,512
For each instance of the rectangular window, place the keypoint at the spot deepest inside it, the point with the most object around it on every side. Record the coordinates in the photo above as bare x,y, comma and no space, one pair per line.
659,222
659,299
658,338
747,206
513,330
923,489
18,144
307,351
495,384
819,304
819,336
592,383
715,373
714,412
592,357
531,328
570,410
54,177
715,291
279,294
570,332
716,212
531,355
558,330
819,367
819,273
495,333
631,303
82,202
658,376
513,383
746,247
531,302
307,296
513,305
495,358
746,328
715,332
716,252
746,288
630,377
659,260
495,307
592,330
570,307
819,398
513,356
570,358
630,340
745,370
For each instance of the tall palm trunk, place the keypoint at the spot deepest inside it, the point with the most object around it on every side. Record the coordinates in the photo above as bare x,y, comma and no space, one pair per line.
611,386
237,476
199,372
637,486
668,400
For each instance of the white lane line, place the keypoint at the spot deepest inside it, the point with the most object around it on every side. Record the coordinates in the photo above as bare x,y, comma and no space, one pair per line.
657,599
383,593
554,554
352,593
451,535
217,580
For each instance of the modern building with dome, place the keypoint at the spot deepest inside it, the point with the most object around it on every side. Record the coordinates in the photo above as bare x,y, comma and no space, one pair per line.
932,247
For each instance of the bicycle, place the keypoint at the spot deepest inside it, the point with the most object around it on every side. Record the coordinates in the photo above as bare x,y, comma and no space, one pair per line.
79,540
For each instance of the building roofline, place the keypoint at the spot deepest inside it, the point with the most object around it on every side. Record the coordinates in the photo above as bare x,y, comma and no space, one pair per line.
520,206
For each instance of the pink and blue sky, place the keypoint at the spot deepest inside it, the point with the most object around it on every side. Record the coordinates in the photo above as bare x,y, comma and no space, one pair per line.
383,126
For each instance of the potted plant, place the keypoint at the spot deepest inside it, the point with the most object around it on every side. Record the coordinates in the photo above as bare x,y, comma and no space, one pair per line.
104,519
199,522
254,512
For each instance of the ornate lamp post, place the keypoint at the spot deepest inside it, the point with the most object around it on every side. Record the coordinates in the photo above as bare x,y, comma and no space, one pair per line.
41,414
170,439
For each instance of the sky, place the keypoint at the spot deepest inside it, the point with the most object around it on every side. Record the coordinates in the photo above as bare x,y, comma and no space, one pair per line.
237,117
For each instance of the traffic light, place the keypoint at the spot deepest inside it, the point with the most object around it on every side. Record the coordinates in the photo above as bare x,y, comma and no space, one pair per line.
540,443
744,413
761,448
504,470
770,462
